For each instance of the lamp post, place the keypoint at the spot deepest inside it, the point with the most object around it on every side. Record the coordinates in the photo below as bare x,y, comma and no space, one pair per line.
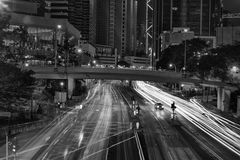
185,49
62,85
171,65
55,46
235,69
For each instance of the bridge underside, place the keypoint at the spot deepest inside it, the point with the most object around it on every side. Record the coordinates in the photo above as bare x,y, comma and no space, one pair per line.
127,74
124,76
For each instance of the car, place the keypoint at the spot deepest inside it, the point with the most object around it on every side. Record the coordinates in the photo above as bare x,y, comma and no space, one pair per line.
158,106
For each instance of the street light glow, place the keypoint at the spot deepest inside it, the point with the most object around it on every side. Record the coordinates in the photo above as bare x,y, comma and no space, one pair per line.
185,30
171,65
235,69
79,50
59,26
61,84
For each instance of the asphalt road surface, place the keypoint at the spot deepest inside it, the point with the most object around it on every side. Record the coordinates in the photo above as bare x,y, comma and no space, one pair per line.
99,130
103,127
208,135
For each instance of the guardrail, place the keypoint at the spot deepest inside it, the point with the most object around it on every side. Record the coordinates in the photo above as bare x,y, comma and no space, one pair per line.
14,129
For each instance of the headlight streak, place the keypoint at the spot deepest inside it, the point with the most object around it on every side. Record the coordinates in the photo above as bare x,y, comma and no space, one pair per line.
214,125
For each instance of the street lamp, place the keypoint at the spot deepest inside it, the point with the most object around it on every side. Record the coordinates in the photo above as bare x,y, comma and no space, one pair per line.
55,46
79,50
171,65
94,62
62,85
235,69
59,26
26,64
185,30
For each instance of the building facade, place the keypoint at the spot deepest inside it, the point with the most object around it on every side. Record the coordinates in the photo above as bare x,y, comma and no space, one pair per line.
27,7
79,16
228,35
125,23
201,16
105,22
56,9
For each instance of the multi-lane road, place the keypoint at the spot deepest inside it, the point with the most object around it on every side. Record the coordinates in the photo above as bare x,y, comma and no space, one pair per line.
99,129
102,127
206,132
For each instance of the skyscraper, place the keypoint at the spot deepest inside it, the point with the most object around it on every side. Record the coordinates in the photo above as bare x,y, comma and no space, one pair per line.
57,9
198,15
125,31
105,22
201,16
82,15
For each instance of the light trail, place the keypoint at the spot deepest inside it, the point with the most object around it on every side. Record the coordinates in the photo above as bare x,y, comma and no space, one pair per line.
221,129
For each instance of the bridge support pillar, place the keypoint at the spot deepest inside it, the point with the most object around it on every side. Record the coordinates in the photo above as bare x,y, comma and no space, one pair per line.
71,86
238,106
223,99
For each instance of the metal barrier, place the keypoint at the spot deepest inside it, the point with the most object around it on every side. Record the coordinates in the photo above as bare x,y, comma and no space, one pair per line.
15,129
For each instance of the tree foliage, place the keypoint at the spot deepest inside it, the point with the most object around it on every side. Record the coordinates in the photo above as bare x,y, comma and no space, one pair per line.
202,61
4,19
14,84
175,54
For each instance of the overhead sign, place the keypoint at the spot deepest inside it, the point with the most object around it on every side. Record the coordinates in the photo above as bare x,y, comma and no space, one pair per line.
5,114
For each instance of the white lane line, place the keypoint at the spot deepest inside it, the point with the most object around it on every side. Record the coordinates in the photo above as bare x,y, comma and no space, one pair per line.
133,137
106,157
45,156
140,151
56,142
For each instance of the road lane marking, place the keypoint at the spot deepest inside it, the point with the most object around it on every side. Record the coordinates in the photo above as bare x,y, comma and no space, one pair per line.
140,151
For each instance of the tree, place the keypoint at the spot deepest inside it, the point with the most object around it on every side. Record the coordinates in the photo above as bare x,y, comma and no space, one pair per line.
15,84
224,58
212,66
20,37
4,18
175,54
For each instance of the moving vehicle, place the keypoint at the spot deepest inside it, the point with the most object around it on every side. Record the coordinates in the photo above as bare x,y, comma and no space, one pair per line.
158,106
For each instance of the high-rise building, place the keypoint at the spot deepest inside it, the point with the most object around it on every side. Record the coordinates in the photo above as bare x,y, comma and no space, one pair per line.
27,7
82,15
201,16
141,18
125,31
57,9
198,15
106,22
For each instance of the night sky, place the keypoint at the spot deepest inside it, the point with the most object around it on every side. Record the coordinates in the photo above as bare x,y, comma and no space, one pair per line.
232,5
